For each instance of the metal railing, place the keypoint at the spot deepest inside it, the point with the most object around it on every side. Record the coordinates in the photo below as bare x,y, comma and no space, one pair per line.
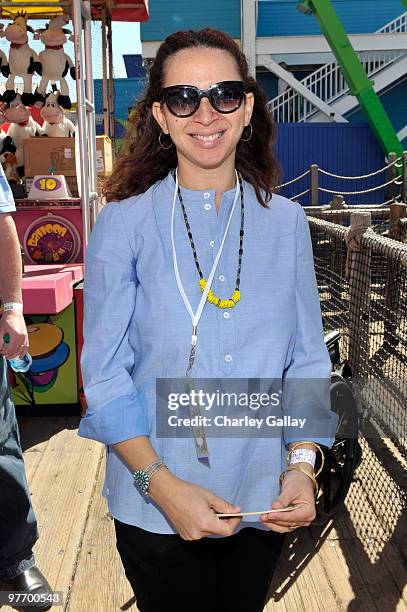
328,82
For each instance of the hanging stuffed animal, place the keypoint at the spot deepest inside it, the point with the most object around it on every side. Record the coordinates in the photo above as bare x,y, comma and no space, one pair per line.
22,126
22,60
55,122
5,70
55,63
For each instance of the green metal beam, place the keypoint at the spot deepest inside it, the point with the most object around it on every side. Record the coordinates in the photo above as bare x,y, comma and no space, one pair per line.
355,75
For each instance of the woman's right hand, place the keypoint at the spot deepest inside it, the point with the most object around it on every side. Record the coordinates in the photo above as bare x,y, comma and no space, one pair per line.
191,508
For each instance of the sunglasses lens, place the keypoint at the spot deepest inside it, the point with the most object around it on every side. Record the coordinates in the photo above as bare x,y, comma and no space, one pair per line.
182,101
228,96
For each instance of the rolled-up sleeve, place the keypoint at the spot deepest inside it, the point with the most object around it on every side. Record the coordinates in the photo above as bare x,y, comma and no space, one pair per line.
306,380
115,408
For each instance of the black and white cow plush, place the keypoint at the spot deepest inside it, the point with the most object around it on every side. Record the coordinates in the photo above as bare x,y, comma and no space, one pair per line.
55,121
55,63
5,71
22,60
22,126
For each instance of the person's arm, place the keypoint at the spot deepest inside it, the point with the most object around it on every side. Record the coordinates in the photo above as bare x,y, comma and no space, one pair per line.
306,388
12,321
307,378
116,413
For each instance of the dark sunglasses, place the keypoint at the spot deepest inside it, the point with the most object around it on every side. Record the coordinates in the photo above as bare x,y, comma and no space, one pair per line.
184,100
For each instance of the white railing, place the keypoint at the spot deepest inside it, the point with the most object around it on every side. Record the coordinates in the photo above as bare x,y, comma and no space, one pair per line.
395,26
328,82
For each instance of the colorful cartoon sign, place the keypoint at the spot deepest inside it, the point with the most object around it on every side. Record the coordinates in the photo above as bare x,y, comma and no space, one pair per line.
52,239
52,377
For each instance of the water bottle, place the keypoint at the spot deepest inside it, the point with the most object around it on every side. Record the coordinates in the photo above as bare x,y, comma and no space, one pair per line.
19,364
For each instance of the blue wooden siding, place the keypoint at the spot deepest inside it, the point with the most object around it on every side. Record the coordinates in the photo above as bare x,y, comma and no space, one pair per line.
345,149
394,102
126,93
167,17
281,18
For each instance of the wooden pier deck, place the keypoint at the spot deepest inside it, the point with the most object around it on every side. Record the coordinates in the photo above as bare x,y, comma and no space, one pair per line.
356,563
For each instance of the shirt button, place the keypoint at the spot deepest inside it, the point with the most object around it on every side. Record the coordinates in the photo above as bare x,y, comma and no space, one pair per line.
221,277
207,195
207,206
228,358
212,243
226,315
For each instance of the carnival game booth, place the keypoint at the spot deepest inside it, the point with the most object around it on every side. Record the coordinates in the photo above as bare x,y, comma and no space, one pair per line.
53,160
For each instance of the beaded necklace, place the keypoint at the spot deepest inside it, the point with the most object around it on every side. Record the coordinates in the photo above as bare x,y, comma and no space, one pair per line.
212,298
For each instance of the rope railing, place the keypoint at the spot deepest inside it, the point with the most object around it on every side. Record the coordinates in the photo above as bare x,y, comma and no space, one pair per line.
362,281
294,180
395,187
299,194
396,181
395,251
362,176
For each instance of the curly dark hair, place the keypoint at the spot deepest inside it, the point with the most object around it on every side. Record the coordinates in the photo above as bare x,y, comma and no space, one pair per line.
142,161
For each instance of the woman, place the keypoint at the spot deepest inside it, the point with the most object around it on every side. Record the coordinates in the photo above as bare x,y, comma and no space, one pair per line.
192,221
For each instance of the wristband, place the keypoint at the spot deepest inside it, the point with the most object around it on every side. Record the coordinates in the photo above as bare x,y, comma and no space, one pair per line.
297,445
303,455
7,306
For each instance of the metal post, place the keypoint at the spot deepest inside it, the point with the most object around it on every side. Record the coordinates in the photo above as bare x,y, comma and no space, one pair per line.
314,185
104,77
248,21
111,87
81,116
90,115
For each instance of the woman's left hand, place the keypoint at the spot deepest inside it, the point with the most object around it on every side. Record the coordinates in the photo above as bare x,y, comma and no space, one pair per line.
296,488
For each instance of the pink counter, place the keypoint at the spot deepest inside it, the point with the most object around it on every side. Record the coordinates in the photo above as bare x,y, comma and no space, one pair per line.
49,288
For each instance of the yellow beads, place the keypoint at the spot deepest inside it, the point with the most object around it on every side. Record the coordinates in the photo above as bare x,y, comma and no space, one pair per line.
213,299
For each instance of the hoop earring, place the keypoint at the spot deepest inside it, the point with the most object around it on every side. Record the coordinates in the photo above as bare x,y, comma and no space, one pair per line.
161,144
251,133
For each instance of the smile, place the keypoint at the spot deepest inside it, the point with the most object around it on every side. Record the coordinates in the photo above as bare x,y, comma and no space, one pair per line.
208,138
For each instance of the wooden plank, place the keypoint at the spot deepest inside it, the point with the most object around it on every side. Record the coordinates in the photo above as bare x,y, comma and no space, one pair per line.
100,582
61,490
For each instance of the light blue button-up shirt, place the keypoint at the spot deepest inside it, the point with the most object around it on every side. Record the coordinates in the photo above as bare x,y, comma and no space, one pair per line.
137,328
7,204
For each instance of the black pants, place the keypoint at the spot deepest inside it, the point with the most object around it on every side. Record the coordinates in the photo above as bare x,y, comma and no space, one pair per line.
230,574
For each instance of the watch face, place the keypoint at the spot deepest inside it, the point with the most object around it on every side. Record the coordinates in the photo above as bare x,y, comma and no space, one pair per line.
142,480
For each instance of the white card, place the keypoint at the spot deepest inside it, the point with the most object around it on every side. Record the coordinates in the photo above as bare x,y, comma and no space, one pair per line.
286,509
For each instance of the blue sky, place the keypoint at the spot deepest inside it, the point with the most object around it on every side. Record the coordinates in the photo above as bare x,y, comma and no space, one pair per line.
126,39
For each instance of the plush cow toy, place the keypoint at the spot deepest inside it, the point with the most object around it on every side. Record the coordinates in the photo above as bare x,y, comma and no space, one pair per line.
55,122
22,126
5,71
55,63
22,60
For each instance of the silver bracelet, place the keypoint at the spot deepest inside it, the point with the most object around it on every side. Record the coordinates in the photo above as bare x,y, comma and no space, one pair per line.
17,306
142,477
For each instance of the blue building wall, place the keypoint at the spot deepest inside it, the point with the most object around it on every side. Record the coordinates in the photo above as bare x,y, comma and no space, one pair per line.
126,93
345,149
394,102
167,17
281,18
275,17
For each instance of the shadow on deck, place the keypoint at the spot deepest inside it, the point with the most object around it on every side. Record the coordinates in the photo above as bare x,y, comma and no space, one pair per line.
357,562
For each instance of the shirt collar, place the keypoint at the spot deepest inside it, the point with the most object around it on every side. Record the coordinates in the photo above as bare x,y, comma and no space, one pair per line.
198,195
